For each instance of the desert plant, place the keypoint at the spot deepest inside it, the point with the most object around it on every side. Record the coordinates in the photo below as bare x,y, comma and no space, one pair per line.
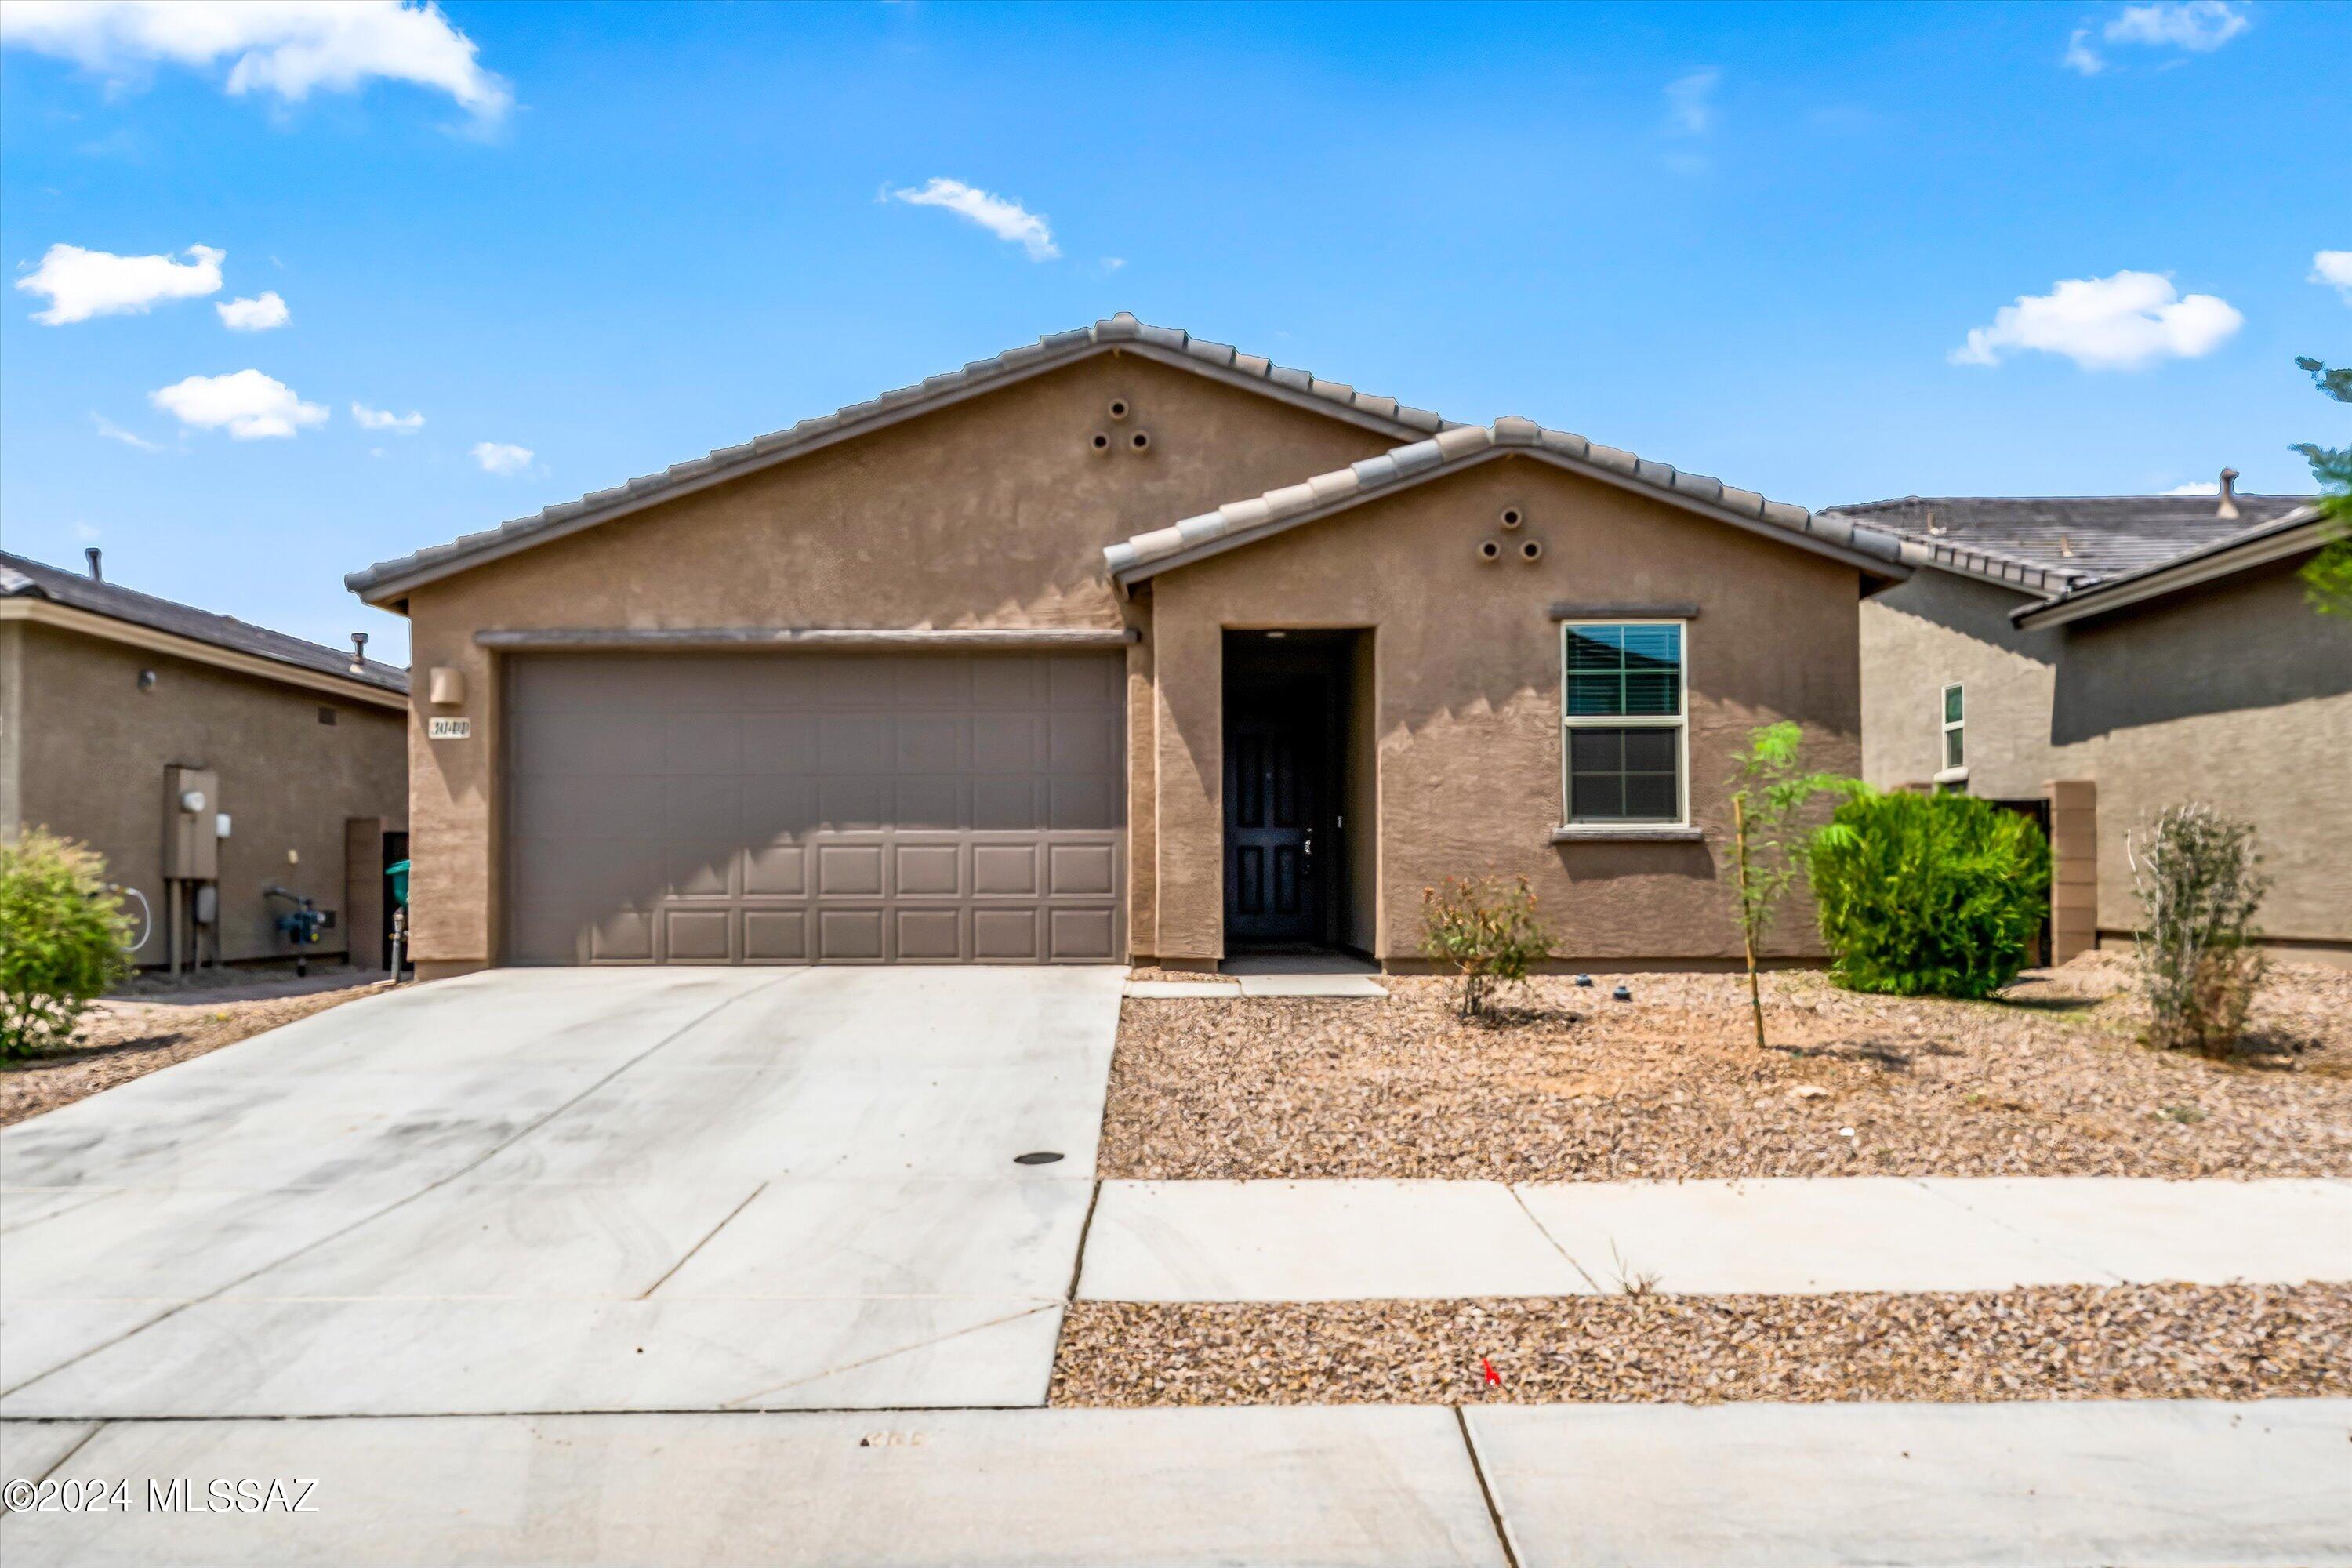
1928,895
62,939
2196,872
1484,931
2328,577
1767,851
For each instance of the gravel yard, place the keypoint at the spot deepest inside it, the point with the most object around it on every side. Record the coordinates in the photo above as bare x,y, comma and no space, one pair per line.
2126,1341
154,1026
1576,1086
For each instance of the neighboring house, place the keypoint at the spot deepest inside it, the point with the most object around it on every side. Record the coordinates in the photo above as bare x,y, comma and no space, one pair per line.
104,691
1119,645
2111,655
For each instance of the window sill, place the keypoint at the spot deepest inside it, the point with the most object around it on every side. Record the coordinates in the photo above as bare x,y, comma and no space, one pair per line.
1629,833
1951,776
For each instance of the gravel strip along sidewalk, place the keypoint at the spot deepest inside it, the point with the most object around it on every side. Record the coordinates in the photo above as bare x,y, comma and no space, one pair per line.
1577,1087
126,1038
2125,1341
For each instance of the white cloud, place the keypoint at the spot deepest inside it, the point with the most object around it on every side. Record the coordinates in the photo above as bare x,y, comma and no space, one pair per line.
1113,263
2121,322
1006,219
385,419
250,405
80,284
86,532
2334,266
2080,58
113,432
2196,488
1690,100
253,315
501,457
2199,26
286,47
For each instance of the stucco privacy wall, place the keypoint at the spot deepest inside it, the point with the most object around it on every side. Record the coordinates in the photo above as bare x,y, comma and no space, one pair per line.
990,512
2235,694
1467,675
92,748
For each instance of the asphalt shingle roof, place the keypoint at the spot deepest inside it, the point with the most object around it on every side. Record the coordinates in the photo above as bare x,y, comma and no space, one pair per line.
1169,344
1238,521
2071,539
21,577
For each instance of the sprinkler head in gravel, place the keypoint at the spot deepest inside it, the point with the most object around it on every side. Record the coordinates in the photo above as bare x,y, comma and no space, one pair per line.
1585,981
1622,993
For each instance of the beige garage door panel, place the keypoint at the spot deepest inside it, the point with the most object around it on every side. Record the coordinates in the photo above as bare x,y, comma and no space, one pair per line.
815,808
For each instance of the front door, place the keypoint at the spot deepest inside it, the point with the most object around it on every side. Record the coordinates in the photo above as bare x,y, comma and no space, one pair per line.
1277,804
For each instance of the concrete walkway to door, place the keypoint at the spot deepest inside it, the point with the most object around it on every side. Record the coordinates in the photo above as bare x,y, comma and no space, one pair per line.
572,1191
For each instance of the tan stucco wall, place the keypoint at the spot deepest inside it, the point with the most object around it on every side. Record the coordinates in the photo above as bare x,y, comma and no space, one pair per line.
91,749
2235,694
991,512
1468,676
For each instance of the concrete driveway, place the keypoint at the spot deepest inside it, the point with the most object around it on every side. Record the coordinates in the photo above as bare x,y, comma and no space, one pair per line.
572,1191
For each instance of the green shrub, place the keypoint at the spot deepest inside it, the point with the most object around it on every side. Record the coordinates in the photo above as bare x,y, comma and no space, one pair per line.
62,938
1930,895
1485,931
2196,874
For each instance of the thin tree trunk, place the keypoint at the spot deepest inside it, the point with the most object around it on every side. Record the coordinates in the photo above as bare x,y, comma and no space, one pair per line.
1747,919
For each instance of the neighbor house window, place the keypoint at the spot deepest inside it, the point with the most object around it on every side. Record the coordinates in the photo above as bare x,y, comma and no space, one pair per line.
1955,753
1621,720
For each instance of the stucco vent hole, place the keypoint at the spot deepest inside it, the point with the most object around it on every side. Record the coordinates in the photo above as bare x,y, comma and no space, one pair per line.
1101,443
1141,440
1488,550
1512,517
1037,1157
1531,550
1118,409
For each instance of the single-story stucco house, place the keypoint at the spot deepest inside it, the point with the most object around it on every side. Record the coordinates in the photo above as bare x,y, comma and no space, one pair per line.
1122,646
2110,656
207,759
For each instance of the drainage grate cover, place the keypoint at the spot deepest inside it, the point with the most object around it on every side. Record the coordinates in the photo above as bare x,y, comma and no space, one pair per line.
1037,1157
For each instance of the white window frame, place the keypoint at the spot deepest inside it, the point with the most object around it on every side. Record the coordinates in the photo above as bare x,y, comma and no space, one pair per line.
1948,771
1679,723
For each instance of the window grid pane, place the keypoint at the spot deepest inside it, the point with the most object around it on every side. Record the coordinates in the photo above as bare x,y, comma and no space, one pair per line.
1624,771
1625,775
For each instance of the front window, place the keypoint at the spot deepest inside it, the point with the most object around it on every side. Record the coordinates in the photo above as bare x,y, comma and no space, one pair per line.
1955,720
1623,754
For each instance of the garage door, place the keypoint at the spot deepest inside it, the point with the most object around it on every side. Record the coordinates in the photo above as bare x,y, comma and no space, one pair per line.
815,808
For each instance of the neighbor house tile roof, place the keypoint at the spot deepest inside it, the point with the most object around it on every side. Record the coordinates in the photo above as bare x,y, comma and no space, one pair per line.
1242,522
22,578
2281,537
2062,541
1168,344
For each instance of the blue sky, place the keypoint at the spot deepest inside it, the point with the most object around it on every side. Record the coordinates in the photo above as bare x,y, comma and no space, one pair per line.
1753,241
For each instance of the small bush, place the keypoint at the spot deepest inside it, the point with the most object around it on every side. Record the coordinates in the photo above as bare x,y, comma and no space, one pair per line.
1485,931
1930,895
62,939
2195,872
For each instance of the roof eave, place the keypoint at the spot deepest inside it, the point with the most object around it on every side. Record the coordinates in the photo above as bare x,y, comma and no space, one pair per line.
2306,528
387,582
1887,566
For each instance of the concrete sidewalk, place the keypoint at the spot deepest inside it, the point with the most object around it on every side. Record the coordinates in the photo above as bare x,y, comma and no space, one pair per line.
1365,1240
2021,1486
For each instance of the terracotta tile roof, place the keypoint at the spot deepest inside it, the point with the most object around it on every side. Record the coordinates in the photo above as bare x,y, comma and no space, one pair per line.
1238,522
21,577
1167,344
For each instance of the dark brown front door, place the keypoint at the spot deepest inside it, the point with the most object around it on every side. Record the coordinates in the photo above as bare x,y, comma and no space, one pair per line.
1277,771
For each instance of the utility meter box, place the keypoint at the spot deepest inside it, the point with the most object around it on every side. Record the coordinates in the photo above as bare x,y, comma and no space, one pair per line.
191,835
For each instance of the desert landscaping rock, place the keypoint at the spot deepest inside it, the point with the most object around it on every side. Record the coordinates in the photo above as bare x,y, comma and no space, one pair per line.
1569,1086
2126,1341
